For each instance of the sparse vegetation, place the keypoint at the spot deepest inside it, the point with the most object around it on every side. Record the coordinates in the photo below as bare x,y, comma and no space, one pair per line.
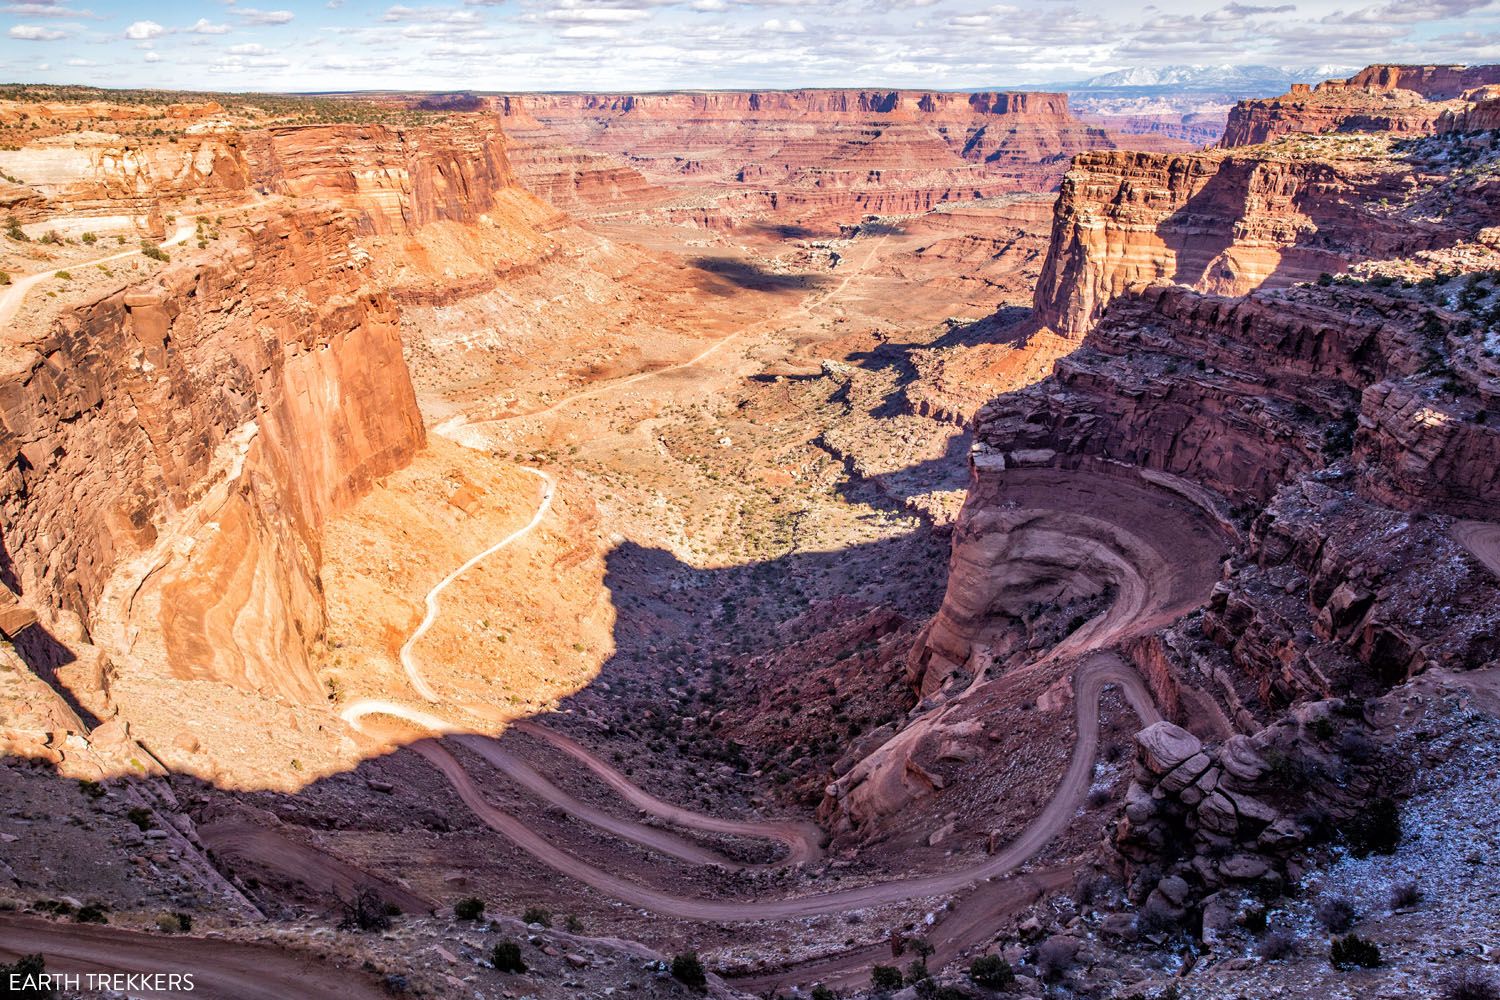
506,957
1353,951
687,969
1406,895
26,967
469,908
154,251
885,978
1278,945
140,816
1375,829
365,912
1336,914
537,915
1470,983
992,972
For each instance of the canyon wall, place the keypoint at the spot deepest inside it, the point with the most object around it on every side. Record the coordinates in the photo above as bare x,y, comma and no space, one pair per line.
816,155
177,445
1391,99
277,361
1216,222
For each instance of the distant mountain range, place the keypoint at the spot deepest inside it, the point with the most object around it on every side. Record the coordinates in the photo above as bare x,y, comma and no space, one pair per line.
1237,78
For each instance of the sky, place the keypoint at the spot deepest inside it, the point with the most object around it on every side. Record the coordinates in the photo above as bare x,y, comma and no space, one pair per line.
281,45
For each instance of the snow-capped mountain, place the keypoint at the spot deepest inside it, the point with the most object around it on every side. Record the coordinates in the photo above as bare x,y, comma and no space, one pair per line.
1216,77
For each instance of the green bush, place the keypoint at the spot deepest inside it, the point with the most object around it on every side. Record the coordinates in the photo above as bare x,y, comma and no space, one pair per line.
93,913
885,978
916,972
1376,829
821,992
507,957
992,972
688,970
537,915
26,965
1354,951
154,251
469,908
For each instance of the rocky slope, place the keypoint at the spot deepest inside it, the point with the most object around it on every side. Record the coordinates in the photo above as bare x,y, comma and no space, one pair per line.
1338,431
1402,99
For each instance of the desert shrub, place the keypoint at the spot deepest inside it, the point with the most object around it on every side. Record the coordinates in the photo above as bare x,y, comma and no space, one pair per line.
992,972
1336,914
89,238
395,984
93,913
537,915
469,908
687,969
1277,945
14,231
92,789
573,924
885,978
63,276
154,251
1405,895
1376,829
506,957
1056,956
365,912
1155,917
1469,984
168,923
916,972
140,816
1353,951
1254,920
821,992
26,965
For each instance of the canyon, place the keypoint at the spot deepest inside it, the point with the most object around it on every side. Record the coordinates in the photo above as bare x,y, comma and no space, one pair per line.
811,530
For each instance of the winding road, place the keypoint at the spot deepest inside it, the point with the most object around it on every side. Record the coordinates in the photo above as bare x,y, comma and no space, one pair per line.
219,968
1099,671
12,295
1482,539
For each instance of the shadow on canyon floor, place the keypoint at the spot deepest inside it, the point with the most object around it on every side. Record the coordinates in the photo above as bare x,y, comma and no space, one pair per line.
727,276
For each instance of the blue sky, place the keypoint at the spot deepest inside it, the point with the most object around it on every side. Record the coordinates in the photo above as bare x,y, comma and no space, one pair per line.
657,44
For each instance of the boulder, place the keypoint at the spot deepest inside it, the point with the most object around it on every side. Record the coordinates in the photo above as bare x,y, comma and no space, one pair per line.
1165,746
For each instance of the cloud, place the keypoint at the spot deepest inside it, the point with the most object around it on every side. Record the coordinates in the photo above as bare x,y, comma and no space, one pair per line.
153,57
42,9
36,33
249,49
139,30
252,16
589,31
577,14
709,5
1407,11
791,26
203,26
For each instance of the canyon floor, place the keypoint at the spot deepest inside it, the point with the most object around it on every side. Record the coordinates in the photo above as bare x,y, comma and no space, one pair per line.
745,557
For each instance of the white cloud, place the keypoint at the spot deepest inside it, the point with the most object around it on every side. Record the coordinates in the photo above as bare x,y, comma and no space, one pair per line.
791,26
252,16
36,33
46,10
596,15
249,49
203,26
144,29
153,57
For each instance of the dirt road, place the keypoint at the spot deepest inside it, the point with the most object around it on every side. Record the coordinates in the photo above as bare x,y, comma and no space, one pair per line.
12,295
225,970
1098,672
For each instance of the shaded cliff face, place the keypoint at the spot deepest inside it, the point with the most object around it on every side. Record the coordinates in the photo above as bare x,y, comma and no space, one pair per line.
1219,223
1399,99
1339,431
